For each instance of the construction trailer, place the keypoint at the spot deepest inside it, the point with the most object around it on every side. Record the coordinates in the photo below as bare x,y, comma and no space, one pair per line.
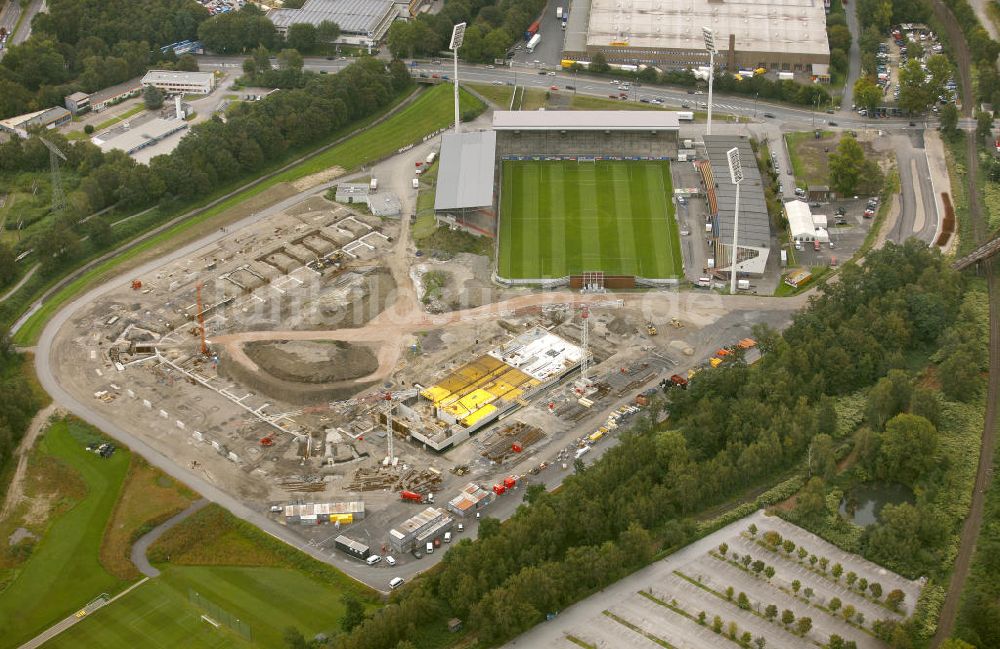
354,548
471,499
321,513
426,526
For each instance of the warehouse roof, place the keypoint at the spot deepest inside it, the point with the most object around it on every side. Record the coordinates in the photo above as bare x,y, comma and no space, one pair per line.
465,178
37,118
172,76
585,120
786,26
353,16
755,226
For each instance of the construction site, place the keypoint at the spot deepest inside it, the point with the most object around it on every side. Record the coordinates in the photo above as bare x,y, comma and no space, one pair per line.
291,364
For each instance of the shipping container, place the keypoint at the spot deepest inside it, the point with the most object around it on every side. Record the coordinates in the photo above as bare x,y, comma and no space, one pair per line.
352,547
531,31
533,43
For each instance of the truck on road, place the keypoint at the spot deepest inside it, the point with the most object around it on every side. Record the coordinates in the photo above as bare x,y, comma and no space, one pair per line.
559,13
533,43
531,31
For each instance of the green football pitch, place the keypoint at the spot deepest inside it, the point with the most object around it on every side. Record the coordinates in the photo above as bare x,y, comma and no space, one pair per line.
560,218
161,614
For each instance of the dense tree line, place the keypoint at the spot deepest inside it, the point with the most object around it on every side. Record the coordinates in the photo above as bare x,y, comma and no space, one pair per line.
735,426
213,154
91,44
493,29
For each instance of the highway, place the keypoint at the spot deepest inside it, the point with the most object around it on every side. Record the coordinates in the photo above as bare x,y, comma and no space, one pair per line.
531,76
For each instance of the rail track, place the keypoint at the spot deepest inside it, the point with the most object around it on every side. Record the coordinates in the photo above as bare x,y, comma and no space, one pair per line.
991,267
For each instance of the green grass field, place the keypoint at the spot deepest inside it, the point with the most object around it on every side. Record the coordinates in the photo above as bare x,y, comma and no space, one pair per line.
560,218
159,613
63,572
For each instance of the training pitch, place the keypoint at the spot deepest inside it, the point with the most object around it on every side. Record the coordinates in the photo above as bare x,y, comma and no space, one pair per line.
560,218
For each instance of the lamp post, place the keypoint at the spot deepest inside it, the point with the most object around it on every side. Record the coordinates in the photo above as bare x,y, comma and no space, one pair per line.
457,37
736,175
710,46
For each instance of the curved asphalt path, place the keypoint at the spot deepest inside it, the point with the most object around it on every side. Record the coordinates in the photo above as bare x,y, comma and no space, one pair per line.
141,546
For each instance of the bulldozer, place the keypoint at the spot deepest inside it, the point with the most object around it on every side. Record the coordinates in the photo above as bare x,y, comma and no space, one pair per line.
651,329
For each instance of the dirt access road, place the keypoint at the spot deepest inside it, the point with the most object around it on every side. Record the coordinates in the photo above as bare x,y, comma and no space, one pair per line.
16,487
974,522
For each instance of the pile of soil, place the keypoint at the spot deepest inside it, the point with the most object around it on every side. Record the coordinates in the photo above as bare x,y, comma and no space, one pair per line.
620,326
312,362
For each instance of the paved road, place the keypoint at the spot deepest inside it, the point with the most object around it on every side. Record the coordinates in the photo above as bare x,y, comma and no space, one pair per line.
854,59
141,547
919,210
528,75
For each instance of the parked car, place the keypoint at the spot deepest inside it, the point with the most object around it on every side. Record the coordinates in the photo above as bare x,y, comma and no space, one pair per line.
553,87
816,245
769,115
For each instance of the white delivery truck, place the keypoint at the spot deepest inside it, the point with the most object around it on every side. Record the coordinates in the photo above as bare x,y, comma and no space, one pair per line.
559,13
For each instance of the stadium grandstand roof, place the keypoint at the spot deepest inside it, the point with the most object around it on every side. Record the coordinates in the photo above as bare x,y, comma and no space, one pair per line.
585,120
465,178
755,225
352,16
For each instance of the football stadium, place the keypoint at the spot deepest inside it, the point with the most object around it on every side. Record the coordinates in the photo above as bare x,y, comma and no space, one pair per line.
586,192
561,218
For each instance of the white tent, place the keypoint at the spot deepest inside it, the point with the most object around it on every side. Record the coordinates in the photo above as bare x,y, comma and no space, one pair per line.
801,223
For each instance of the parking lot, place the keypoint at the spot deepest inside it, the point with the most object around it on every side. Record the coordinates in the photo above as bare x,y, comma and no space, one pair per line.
684,601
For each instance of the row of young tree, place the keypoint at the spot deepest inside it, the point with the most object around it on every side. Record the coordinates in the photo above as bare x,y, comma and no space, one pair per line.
214,154
733,428
92,44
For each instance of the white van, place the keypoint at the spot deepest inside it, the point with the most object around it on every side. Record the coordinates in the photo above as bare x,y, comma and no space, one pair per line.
396,583
416,183
447,537
372,560
430,548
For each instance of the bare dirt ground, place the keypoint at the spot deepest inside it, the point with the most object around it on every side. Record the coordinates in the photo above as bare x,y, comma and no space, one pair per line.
312,362
318,178
16,488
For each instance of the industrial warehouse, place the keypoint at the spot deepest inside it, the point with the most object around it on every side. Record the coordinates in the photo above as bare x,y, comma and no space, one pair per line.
776,34
361,22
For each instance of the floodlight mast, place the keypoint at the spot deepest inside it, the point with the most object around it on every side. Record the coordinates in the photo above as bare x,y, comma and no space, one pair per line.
457,38
736,175
709,35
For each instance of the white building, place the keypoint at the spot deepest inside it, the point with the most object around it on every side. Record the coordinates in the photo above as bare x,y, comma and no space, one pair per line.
186,83
802,224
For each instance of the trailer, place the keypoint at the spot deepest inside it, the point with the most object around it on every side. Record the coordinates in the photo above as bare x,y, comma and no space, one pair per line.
431,157
413,496
533,43
685,116
531,31
350,546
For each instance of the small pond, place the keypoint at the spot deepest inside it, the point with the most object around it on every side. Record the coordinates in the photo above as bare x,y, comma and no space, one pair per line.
864,502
